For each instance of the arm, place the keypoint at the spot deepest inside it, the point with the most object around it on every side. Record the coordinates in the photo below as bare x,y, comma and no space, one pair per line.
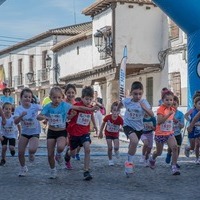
41,117
187,114
120,106
84,108
3,117
192,123
101,130
18,119
147,110
161,118
19,130
94,124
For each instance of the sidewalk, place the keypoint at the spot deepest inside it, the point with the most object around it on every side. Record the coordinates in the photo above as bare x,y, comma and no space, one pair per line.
107,181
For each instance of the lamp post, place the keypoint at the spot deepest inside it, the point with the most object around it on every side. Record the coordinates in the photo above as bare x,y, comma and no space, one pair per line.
30,76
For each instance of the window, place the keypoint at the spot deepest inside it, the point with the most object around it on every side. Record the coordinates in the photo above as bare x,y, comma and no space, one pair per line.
44,55
149,90
31,63
173,30
10,75
77,49
20,72
175,84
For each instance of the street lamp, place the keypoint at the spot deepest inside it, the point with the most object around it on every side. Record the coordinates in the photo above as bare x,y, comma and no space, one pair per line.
30,76
48,62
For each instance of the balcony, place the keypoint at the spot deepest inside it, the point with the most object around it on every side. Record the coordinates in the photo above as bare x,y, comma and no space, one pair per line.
18,81
43,76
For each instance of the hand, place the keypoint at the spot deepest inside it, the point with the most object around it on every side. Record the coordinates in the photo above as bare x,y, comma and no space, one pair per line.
189,129
171,112
23,113
100,135
96,130
1,138
3,121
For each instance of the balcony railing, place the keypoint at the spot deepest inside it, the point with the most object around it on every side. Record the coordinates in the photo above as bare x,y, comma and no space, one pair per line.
18,81
43,75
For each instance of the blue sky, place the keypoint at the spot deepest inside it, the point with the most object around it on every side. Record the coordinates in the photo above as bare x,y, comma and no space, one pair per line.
27,18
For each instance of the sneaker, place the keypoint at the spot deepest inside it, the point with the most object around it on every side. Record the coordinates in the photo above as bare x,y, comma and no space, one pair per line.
31,158
146,162
187,152
117,154
67,157
110,163
87,176
53,173
152,163
175,170
23,171
142,159
68,165
168,158
197,161
59,159
12,152
77,156
3,162
128,167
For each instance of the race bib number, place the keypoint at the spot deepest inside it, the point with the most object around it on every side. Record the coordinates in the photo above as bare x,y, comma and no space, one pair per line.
8,129
29,123
83,119
135,114
113,128
167,126
55,120
148,126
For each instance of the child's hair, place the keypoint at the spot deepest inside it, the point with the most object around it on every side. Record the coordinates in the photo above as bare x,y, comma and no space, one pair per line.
166,93
26,90
6,90
6,104
78,99
55,89
196,99
68,86
114,104
87,91
136,85
176,99
196,94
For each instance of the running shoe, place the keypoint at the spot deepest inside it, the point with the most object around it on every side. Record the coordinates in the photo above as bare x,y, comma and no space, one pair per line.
23,171
197,161
152,163
77,156
175,170
187,152
68,165
3,162
12,152
168,158
142,159
128,167
87,176
110,163
59,159
53,173
67,156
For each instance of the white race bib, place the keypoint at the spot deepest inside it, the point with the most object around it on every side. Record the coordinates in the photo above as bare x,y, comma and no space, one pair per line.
83,119
167,126
29,123
113,128
55,119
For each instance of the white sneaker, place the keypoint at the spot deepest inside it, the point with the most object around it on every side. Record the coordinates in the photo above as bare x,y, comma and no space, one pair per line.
117,154
23,171
197,161
110,163
53,173
59,159
142,159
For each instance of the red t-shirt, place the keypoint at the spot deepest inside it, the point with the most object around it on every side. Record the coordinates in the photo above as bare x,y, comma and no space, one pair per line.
112,126
80,124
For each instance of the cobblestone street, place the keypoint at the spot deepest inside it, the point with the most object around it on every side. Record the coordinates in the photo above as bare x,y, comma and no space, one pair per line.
108,182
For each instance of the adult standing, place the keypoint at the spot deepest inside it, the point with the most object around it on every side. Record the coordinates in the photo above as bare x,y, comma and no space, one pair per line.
7,98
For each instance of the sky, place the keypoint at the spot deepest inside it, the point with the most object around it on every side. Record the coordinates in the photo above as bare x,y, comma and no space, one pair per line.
23,19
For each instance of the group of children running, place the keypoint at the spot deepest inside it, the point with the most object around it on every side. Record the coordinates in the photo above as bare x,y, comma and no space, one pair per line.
69,127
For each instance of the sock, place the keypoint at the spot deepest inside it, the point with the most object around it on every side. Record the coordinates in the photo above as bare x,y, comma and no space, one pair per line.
130,158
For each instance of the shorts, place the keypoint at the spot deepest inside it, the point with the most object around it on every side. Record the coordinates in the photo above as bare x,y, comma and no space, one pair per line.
30,136
191,135
179,139
78,141
56,134
149,137
128,130
111,137
12,141
162,138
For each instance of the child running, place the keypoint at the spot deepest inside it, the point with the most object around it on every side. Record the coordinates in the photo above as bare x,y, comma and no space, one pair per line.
56,115
79,128
26,114
136,107
113,122
9,132
164,131
177,126
147,137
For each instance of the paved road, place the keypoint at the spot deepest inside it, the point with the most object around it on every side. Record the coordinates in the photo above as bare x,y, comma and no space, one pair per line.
108,182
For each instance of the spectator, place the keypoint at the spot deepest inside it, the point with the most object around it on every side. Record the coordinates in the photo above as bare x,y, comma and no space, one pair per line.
160,102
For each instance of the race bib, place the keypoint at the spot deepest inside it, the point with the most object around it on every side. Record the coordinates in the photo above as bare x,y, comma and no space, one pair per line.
113,128
135,114
148,126
55,119
167,126
29,123
8,129
83,119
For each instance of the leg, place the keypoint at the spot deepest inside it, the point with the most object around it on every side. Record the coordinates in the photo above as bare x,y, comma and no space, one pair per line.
109,145
158,151
86,146
51,143
33,146
172,144
3,152
116,147
23,141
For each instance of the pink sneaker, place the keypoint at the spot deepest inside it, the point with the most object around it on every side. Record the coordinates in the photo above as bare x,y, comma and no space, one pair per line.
68,165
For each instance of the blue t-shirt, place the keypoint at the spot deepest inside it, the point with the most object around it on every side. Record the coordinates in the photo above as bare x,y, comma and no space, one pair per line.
192,115
134,113
148,123
179,116
8,99
57,116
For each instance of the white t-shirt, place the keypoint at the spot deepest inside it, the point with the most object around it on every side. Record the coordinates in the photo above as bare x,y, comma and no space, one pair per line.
134,113
30,125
